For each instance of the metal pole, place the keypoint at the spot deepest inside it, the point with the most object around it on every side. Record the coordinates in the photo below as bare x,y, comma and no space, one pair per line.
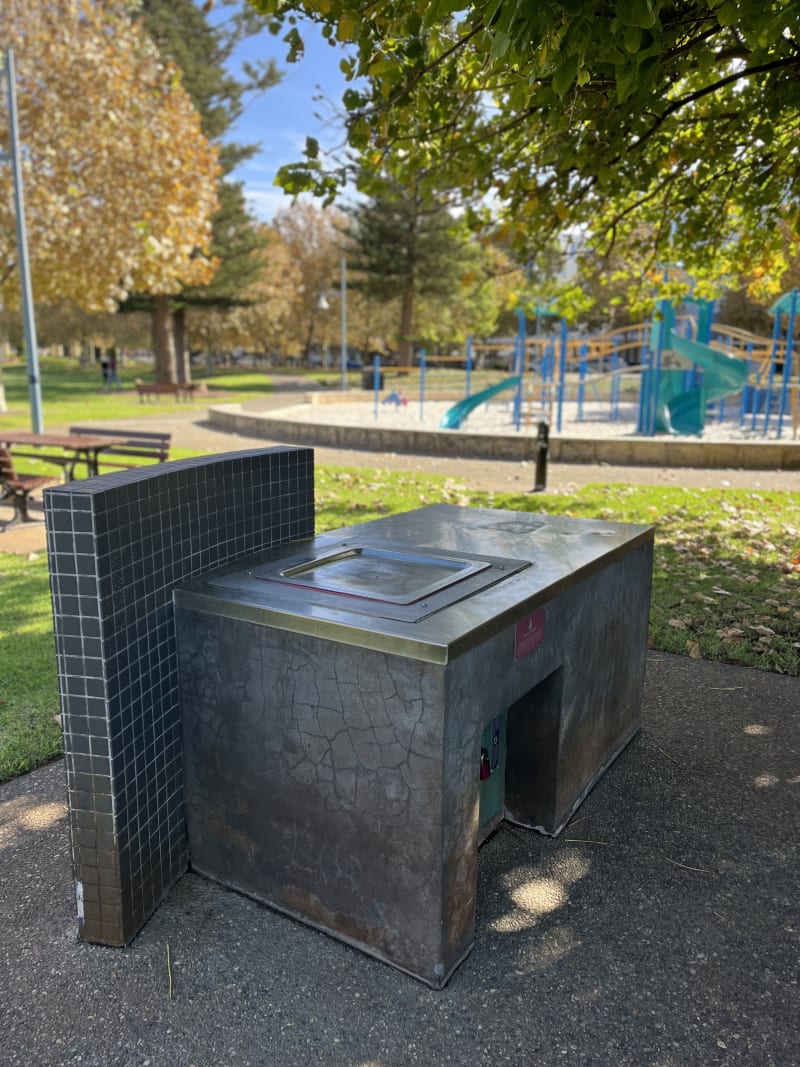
787,362
343,294
542,443
422,385
776,336
520,367
29,323
562,384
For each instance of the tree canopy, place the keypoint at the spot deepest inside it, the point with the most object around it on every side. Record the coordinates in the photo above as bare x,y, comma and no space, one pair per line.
120,183
663,129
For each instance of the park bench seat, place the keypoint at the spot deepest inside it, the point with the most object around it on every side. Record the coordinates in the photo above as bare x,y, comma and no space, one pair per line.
137,447
155,390
16,488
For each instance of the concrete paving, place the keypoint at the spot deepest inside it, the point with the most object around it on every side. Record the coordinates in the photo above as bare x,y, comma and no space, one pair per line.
661,930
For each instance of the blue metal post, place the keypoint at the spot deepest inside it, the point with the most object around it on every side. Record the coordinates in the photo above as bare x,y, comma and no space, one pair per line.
29,322
520,367
376,380
562,373
615,383
747,391
787,361
582,368
776,335
756,396
469,365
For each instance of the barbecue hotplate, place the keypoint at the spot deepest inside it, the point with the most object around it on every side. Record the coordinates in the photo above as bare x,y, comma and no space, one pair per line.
375,573
373,579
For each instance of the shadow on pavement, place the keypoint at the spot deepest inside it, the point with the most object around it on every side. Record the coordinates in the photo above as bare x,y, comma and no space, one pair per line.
661,929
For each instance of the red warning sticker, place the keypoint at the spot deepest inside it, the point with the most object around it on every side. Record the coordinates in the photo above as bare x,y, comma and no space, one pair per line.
529,635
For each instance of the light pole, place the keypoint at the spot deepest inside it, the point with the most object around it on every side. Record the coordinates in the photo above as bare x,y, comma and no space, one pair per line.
29,323
324,305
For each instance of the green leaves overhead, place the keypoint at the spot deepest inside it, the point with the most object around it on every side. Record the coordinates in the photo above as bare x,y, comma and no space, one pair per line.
635,122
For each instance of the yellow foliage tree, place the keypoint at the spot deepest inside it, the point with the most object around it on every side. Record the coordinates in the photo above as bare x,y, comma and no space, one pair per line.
120,183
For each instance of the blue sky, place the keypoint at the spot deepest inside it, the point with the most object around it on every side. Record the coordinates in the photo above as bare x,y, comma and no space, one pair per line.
281,118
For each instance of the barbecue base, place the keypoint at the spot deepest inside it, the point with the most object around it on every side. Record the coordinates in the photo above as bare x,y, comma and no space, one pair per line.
351,735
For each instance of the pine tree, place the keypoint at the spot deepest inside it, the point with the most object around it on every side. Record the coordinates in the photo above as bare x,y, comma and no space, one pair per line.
403,245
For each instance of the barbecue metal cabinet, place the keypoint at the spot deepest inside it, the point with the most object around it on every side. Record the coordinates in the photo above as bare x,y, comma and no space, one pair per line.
361,709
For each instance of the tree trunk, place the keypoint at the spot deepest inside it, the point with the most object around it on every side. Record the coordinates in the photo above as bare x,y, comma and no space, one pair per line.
406,341
309,339
164,341
182,354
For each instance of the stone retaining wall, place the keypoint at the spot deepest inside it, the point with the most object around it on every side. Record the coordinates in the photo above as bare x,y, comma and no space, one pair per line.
625,451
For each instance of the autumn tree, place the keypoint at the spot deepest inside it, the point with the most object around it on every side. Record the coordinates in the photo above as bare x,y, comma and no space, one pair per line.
313,238
663,131
120,183
263,321
183,34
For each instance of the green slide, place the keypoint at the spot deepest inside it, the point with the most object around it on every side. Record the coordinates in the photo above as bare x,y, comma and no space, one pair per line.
684,412
454,416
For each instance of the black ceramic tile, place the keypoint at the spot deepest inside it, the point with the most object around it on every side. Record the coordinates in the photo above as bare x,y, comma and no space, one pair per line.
117,546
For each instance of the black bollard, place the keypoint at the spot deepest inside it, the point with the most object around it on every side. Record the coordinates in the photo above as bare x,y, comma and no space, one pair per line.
540,478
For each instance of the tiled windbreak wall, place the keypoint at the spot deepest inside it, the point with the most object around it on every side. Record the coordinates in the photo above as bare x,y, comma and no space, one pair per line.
117,546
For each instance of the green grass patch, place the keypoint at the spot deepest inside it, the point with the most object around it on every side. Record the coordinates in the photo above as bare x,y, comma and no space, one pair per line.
29,731
72,393
726,576
726,581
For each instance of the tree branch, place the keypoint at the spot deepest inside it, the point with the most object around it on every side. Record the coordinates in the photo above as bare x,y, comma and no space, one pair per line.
698,94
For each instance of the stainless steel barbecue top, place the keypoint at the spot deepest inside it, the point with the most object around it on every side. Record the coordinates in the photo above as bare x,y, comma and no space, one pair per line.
427,584
386,574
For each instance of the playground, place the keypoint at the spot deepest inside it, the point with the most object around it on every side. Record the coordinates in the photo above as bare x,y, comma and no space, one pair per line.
680,375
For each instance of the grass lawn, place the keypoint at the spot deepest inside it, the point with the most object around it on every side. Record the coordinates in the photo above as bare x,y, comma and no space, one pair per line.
726,582
72,393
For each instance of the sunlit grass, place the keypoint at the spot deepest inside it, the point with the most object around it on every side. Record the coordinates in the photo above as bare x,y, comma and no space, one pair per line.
726,580
29,731
72,393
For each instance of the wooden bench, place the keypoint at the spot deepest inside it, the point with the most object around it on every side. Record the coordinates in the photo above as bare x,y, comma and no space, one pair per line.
141,444
155,390
16,488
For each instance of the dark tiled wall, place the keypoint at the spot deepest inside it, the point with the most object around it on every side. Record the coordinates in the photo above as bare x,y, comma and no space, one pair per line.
117,545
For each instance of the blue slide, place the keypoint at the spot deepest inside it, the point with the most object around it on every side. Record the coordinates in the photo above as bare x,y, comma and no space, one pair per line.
682,411
454,416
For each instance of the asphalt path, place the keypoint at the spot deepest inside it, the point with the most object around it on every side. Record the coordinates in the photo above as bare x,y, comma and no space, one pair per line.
660,930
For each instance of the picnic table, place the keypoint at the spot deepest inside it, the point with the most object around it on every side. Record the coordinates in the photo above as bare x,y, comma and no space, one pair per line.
76,448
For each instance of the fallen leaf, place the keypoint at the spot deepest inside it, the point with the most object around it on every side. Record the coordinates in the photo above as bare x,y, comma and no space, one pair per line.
693,649
720,592
679,624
